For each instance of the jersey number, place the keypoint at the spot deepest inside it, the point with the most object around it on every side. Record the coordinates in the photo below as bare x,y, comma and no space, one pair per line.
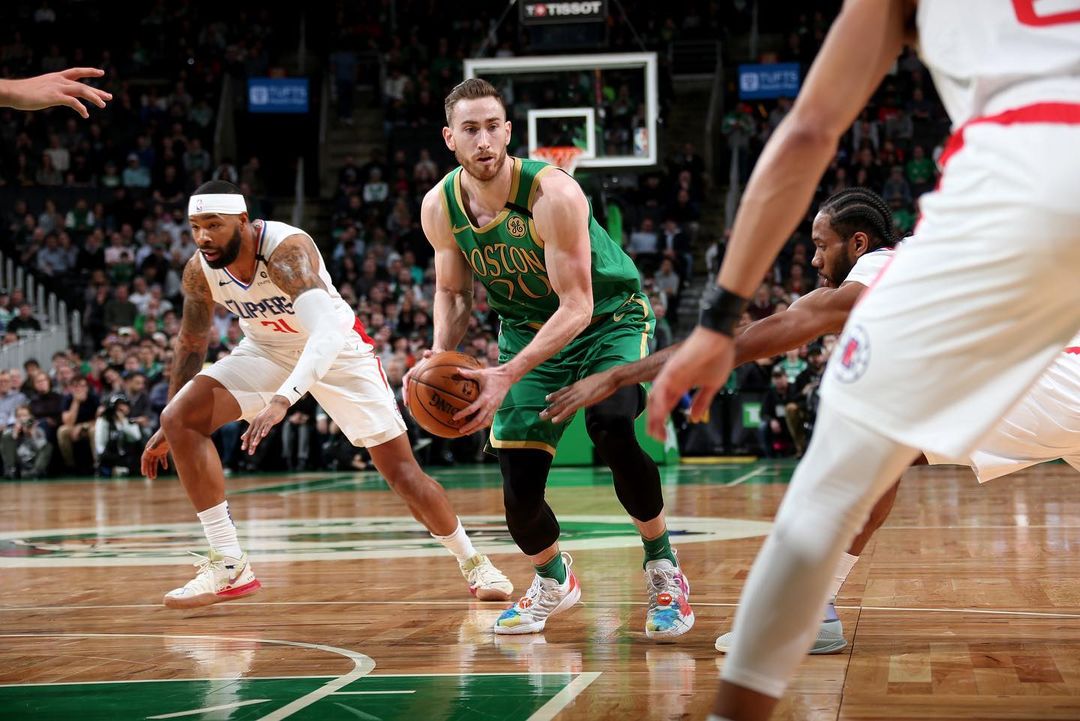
1027,14
279,326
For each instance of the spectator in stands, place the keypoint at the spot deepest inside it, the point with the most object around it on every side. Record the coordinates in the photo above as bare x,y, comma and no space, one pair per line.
675,244
25,447
667,283
52,260
772,431
119,311
46,405
76,421
762,305
11,397
24,322
135,175
117,440
801,412
139,410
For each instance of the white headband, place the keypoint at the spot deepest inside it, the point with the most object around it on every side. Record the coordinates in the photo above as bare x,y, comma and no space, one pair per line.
223,203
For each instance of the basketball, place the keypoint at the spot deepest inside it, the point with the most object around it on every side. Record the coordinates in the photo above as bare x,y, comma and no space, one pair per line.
438,391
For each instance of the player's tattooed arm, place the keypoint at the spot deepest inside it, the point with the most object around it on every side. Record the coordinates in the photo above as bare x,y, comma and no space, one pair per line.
294,266
195,323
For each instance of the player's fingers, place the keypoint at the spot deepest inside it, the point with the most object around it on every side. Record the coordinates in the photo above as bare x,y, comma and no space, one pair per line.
469,409
75,105
699,408
661,401
95,96
165,461
76,73
471,373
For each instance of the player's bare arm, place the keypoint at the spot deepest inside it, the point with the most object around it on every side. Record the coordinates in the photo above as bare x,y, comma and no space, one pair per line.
860,47
563,403
193,340
813,315
189,350
561,217
453,276
51,89
453,282
294,268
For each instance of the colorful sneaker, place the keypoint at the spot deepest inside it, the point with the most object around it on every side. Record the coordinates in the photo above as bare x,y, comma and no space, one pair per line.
220,578
545,597
830,638
669,613
486,582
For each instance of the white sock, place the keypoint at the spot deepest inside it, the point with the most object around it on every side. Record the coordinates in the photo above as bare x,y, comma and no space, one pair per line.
457,543
220,531
847,562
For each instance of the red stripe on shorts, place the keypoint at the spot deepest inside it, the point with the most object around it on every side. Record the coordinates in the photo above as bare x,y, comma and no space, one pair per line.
359,328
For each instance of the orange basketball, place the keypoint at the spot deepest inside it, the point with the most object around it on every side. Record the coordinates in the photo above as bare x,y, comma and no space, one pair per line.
438,391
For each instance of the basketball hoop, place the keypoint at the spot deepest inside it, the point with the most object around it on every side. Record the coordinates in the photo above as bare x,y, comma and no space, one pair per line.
564,156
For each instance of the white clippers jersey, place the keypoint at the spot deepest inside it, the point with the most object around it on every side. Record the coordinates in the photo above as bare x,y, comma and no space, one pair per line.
869,265
265,311
987,56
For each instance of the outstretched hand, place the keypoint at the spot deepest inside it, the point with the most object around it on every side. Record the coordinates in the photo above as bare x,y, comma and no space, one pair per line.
565,402
704,360
52,89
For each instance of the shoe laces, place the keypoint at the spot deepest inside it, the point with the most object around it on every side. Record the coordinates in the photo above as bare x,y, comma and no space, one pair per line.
484,573
662,580
543,594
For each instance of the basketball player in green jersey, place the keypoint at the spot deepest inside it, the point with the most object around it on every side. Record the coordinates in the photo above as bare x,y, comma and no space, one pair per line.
570,304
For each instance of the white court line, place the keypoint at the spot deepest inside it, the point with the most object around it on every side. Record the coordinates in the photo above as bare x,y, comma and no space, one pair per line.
222,707
463,603
368,693
561,700
284,678
748,475
362,665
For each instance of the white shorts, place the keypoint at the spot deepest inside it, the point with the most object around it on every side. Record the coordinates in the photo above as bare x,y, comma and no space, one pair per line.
1043,426
974,308
354,392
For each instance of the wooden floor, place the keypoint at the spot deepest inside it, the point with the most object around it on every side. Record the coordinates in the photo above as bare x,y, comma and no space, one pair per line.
966,606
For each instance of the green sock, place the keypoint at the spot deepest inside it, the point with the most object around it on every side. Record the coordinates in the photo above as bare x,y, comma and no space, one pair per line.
555,568
658,548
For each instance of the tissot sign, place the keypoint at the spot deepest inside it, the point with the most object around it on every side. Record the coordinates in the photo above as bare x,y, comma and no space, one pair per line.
534,11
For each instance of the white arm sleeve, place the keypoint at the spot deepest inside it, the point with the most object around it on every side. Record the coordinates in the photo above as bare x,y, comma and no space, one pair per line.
326,339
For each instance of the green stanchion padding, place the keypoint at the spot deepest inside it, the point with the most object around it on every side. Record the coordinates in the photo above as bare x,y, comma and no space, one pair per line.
576,448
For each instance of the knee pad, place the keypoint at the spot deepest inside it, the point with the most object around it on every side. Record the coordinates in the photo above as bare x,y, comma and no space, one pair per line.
531,522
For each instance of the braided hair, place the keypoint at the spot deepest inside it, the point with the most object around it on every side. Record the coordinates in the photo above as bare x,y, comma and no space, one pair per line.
861,209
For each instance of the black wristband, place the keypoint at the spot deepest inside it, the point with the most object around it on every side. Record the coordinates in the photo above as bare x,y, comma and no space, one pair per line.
721,310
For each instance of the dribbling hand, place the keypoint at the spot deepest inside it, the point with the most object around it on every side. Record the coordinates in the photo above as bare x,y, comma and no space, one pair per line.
405,379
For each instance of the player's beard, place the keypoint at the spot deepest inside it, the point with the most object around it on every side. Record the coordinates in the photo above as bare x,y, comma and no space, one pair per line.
481,171
229,253
840,271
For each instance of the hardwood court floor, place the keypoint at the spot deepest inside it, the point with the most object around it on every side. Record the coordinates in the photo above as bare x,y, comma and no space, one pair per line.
964,607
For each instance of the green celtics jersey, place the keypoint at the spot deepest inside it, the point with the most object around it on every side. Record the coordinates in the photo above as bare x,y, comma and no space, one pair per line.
507,255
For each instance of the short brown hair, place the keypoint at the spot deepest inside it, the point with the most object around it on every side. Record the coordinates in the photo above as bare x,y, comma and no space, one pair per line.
471,89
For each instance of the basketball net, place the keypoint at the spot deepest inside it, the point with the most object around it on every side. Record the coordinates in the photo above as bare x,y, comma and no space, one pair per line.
564,156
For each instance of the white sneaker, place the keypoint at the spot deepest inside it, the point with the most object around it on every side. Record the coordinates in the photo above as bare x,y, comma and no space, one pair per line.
486,582
669,615
220,578
830,637
545,598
